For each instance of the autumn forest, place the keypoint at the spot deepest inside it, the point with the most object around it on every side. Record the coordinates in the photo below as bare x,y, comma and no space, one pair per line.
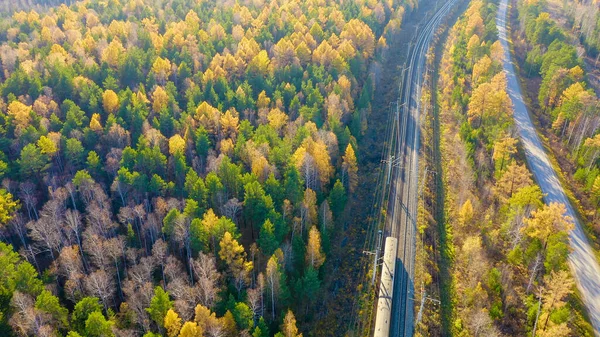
180,168
191,168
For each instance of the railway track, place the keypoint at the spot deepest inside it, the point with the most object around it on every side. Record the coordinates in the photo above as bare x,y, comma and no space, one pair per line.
403,185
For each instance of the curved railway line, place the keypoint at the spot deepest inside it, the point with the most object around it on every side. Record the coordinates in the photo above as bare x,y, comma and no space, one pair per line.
403,167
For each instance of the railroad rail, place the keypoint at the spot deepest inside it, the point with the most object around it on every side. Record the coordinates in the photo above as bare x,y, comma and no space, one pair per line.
403,189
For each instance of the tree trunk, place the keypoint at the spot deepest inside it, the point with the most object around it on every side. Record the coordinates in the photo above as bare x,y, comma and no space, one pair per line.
118,279
537,316
272,298
534,272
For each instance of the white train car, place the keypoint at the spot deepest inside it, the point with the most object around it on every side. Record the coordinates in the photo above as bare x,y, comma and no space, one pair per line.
386,289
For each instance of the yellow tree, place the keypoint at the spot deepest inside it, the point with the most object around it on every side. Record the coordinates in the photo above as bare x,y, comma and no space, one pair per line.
112,53
558,287
481,70
314,253
172,323
475,24
161,68
230,124
503,149
496,51
247,49
204,318
573,91
477,103
515,177
490,102
261,63
546,221
555,330
318,151
325,55
209,223
289,327
308,209
217,32
47,146
160,99
209,117
192,22
21,114
596,187
8,206
277,119
95,124
234,256
473,46
176,144
350,168
263,100
110,101
284,54
229,325
260,167
465,214
273,277
191,329
304,53
361,35
226,146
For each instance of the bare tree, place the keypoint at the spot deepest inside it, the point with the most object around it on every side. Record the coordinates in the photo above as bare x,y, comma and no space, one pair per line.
159,252
114,250
74,227
99,218
309,172
231,209
18,226
95,248
325,216
273,282
185,297
71,190
25,321
113,161
27,195
481,325
534,271
173,268
153,227
47,231
139,214
86,190
181,235
254,252
46,235
138,297
71,267
215,329
101,285
254,299
205,269
142,272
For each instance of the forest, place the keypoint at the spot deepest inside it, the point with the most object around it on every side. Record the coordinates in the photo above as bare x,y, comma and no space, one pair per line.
183,168
584,17
505,248
560,77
